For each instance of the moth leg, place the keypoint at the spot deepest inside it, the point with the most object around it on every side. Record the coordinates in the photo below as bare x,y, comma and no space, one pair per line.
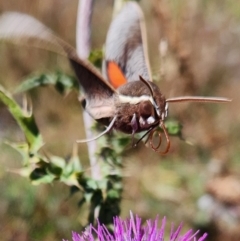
151,128
101,134
134,125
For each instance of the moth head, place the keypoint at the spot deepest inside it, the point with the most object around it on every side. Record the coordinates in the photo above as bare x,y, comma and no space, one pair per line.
160,105
157,100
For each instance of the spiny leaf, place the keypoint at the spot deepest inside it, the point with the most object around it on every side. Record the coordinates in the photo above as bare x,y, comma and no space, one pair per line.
35,81
40,175
62,82
24,120
73,164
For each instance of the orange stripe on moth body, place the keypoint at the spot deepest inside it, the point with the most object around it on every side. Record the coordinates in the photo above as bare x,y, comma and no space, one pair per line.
115,74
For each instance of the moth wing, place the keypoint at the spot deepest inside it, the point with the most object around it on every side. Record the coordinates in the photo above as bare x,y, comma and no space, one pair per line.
23,29
126,47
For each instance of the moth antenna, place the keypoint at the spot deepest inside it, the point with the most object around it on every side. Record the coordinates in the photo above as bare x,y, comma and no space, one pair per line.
147,83
198,99
156,148
101,134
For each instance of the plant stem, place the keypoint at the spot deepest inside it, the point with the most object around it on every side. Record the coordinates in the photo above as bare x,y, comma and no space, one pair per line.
83,35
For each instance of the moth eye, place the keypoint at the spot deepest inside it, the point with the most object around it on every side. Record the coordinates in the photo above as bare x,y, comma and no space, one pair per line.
146,109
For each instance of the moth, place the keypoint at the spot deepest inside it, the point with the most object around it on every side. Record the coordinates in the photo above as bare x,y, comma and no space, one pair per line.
123,97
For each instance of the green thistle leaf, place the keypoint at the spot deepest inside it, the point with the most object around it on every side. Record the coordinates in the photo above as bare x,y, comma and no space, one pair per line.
25,121
62,82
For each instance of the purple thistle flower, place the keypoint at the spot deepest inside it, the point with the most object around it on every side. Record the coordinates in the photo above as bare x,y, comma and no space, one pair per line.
132,230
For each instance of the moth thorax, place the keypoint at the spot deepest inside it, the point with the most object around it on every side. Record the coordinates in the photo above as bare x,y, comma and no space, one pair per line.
138,93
